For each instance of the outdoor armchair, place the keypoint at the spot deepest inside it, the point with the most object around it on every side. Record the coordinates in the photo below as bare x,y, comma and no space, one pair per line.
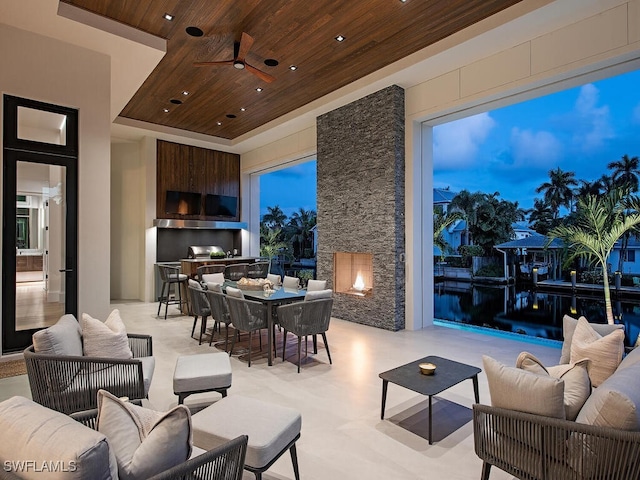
199,307
536,447
306,318
70,383
225,462
220,313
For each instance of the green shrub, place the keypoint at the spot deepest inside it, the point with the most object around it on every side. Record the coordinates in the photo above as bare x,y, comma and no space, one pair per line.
490,271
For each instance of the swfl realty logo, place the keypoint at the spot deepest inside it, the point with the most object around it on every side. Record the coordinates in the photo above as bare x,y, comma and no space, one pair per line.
39,466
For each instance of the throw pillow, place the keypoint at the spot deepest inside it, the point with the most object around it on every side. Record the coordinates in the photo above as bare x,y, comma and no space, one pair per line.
214,287
105,339
516,389
569,326
318,294
577,386
144,442
62,338
235,292
604,353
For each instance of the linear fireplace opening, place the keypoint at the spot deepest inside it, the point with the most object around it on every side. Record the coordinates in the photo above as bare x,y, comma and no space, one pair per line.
353,273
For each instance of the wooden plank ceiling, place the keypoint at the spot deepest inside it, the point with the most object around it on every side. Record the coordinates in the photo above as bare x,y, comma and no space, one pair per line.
223,101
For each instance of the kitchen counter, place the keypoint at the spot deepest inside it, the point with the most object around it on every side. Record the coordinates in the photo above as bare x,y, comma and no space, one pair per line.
189,266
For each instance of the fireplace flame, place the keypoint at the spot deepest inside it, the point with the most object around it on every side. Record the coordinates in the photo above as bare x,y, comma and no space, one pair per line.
359,283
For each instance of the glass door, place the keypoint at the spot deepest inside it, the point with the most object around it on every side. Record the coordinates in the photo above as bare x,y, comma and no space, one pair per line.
39,240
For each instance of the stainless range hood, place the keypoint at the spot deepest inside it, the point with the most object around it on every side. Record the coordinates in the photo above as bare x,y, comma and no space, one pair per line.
198,224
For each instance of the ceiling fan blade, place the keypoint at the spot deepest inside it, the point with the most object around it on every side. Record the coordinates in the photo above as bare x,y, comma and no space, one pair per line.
209,64
260,74
245,45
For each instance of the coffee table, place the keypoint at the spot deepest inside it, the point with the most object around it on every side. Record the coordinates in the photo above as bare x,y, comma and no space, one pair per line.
448,373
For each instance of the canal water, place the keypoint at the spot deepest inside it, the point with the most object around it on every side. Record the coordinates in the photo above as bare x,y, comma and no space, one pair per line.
521,309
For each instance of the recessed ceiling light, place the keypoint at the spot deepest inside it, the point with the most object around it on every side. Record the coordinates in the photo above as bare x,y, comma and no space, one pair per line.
403,1
293,67
218,123
258,89
165,110
194,31
243,109
340,38
168,16
185,93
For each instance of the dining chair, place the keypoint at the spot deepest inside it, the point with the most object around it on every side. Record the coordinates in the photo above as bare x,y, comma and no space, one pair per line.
219,312
235,272
306,318
234,292
290,282
313,285
213,278
275,279
199,307
171,277
258,270
246,316
208,270
318,294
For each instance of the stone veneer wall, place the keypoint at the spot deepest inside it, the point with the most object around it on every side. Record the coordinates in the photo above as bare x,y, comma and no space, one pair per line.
361,202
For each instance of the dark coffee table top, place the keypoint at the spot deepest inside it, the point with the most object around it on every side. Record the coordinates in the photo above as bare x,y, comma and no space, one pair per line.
448,373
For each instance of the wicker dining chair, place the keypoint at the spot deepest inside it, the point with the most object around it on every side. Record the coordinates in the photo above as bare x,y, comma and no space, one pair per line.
258,270
247,316
199,308
306,318
209,269
235,272
220,313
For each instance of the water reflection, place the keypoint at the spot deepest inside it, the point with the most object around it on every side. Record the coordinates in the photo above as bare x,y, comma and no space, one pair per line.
520,309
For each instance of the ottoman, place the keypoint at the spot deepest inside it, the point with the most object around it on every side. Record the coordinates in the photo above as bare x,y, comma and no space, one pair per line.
272,430
207,372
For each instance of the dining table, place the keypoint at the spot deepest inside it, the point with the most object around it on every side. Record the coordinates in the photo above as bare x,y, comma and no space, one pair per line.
271,298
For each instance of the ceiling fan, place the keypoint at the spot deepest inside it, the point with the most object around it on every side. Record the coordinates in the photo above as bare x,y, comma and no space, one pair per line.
240,52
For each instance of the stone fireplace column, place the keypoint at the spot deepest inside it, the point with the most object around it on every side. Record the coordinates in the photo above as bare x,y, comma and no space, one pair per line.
361,204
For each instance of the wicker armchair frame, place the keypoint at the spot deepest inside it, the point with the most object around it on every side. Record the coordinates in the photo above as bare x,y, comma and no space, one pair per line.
534,447
69,383
235,271
258,270
306,318
225,462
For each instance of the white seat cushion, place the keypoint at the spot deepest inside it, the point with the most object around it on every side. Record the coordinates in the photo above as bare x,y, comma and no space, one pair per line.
270,427
213,278
205,371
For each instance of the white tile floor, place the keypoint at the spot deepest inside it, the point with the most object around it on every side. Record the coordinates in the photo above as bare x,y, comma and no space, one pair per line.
342,434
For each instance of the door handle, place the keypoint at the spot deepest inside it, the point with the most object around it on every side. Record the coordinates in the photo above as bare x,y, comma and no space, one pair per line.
66,270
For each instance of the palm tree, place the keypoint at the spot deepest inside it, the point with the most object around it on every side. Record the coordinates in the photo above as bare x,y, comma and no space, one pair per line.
557,191
275,217
440,223
270,243
466,204
540,216
625,172
300,225
606,184
600,222
588,188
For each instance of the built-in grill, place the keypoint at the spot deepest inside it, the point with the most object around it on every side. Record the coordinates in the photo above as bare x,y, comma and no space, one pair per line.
202,251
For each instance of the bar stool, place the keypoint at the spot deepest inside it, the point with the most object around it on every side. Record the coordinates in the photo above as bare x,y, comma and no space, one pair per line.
171,275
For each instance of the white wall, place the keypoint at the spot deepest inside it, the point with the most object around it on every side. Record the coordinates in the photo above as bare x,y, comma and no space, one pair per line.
127,220
48,70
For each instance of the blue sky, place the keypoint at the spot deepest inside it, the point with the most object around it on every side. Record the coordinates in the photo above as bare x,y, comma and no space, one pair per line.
511,150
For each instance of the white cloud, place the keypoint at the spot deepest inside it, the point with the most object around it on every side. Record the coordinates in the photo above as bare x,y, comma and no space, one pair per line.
456,144
592,121
540,148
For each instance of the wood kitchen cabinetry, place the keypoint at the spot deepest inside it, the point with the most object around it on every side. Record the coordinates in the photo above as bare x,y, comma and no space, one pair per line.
28,263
